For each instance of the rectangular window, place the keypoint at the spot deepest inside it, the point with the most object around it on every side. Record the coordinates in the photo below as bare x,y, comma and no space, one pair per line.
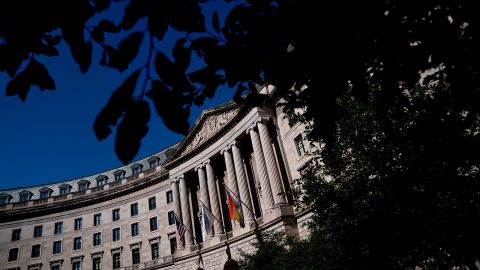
173,245
135,256
136,170
152,163
24,197
97,219
63,190
115,214
16,234
3,200
97,264
13,255
97,239
58,228
44,194
55,267
78,224
152,203
77,243
153,224
299,145
169,196
35,251
116,261
37,231
116,234
171,218
82,186
76,266
134,209
101,182
57,247
155,251
118,177
135,231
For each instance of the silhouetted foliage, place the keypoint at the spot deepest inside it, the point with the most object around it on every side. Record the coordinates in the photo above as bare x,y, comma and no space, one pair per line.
392,96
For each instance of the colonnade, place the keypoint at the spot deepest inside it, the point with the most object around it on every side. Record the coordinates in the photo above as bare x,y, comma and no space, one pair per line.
272,192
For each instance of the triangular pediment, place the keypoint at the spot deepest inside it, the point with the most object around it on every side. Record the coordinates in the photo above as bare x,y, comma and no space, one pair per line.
209,123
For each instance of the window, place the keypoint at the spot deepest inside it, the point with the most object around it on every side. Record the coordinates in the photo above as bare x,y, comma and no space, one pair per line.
97,239
135,256
136,169
153,224
169,196
55,267
97,219
155,251
119,174
58,228
13,255
97,264
16,234
173,245
35,251
37,231
78,224
135,231
82,186
171,218
299,145
76,266
134,209
115,214
116,234
152,203
153,162
77,243
57,247
24,196
65,189
4,199
44,194
101,180
116,261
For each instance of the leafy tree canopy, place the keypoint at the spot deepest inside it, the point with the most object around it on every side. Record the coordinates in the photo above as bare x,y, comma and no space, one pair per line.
393,95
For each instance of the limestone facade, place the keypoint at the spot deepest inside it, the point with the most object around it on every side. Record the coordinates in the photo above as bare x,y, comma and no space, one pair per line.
125,218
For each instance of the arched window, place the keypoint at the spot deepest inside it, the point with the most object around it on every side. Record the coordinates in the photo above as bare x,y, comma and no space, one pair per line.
45,192
83,185
64,189
101,180
25,196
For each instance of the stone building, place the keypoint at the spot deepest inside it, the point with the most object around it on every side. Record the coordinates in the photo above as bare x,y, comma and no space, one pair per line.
125,218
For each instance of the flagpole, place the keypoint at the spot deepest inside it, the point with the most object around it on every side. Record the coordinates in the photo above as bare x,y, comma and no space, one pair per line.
223,227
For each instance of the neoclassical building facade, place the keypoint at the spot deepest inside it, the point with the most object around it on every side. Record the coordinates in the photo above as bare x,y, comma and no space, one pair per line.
125,218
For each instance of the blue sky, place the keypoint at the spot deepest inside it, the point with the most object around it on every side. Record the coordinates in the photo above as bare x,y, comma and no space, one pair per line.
49,137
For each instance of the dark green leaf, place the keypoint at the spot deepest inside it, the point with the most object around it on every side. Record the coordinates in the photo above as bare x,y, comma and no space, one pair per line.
215,23
131,130
181,54
117,104
135,10
170,106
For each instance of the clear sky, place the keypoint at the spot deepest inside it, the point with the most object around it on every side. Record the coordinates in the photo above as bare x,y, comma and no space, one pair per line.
50,138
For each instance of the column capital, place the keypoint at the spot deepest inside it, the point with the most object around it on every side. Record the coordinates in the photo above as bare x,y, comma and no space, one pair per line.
198,167
208,161
175,180
222,152
251,127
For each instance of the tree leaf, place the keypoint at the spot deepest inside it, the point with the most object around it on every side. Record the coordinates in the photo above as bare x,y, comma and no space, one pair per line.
101,5
98,35
117,104
108,26
38,75
128,48
131,130
181,54
157,25
171,73
215,22
135,10
170,106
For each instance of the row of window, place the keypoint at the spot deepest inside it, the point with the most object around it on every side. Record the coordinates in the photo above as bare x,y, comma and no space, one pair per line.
77,241
64,189
97,219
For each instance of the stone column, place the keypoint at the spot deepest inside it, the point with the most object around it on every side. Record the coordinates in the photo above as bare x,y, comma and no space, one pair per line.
232,179
186,212
261,170
212,188
203,186
176,198
242,184
272,169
